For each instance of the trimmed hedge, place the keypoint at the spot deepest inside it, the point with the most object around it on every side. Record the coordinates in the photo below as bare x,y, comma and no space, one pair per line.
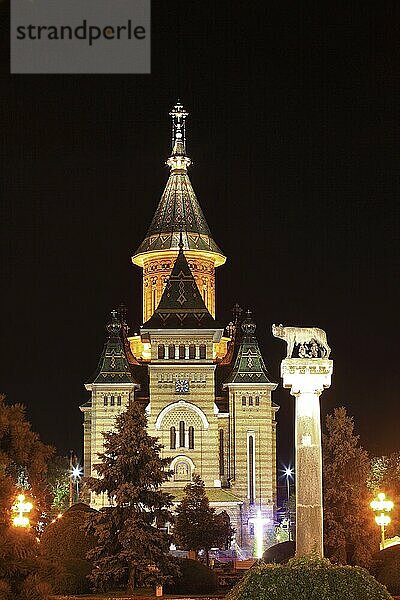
195,578
308,578
280,553
386,568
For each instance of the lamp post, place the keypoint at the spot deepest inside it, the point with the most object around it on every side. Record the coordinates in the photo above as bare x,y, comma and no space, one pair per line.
76,474
382,506
288,474
21,507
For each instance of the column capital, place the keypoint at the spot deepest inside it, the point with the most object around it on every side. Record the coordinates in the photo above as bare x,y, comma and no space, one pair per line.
306,375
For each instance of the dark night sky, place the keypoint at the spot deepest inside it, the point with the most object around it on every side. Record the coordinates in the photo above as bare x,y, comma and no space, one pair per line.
293,132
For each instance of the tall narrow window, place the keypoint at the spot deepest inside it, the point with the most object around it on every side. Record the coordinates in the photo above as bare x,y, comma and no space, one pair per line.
243,400
105,400
172,438
192,351
221,452
202,351
154,298
251,468
119,400
112,401
250,400
161,351
257,400
171,351
181,351
191,438
181,434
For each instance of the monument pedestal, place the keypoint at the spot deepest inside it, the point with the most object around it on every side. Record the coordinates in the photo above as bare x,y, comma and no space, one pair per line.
307,378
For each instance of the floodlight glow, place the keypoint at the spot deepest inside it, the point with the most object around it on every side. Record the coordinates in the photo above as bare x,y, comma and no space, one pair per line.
259,523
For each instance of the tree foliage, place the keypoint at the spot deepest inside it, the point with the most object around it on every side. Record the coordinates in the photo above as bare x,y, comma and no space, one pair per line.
23,465
197,527
23,462
58,474
350,535
385,477
132,547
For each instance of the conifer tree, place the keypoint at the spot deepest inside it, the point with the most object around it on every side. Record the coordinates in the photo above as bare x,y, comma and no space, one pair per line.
350,535
197,527
132,548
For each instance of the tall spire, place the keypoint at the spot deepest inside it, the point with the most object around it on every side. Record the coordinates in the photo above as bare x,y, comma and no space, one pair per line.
178,159
178,210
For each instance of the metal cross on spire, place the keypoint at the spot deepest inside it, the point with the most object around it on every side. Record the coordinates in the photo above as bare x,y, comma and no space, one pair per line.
178,158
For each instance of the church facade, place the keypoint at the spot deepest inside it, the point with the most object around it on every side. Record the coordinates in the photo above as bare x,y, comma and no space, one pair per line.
205,387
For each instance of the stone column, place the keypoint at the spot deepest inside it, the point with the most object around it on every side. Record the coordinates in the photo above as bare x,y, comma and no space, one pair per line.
307,378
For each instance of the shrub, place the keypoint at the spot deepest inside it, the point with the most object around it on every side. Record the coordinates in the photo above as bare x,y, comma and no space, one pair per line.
72,577
386,568
280,553
66,538
308,578
194,578
65,543
5,590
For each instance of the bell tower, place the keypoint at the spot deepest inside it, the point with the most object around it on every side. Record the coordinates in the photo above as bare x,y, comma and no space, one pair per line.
178,216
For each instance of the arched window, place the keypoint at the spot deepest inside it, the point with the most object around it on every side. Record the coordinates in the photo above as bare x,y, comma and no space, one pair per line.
171,351
182,434
161,351
257,400
192,351
119,401
182,471
105,400
243,400
112,401
202,351
191,438
181,351
221,452
172,438
251,467
250,400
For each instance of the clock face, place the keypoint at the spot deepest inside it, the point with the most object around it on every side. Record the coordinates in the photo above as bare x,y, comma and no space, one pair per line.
182,386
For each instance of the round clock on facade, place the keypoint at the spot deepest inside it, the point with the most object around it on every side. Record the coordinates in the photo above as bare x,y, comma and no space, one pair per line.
181,386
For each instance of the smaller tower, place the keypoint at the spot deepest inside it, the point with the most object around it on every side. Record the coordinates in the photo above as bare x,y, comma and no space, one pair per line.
111,388
252,431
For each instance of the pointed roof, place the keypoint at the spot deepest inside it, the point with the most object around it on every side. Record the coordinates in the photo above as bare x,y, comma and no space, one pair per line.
178,210
249,365
113,366
181,305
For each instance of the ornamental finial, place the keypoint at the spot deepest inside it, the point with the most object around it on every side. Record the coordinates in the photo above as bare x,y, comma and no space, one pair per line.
178,158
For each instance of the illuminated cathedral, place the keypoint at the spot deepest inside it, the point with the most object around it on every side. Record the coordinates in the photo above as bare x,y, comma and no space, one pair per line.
204,386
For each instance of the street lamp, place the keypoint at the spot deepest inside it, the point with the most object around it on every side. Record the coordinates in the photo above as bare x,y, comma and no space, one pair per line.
76,474
21,507
288,472
382,506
